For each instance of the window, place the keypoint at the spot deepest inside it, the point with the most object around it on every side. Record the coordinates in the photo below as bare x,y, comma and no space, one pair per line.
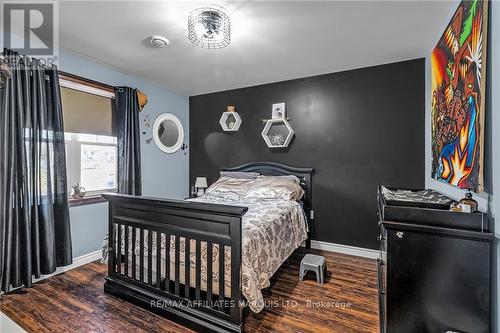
91,162
90,139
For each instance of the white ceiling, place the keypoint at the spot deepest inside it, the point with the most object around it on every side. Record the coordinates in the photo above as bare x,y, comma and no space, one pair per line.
271,41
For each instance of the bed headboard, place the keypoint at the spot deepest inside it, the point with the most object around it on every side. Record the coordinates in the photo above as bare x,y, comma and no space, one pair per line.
278,169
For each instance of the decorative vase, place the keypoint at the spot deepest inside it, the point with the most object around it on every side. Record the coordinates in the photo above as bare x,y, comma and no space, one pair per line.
78,191
468,204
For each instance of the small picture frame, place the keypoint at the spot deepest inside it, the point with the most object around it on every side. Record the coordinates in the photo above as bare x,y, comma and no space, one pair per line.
279,110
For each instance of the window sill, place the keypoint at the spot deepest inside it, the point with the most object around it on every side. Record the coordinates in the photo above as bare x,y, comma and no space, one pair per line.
93,199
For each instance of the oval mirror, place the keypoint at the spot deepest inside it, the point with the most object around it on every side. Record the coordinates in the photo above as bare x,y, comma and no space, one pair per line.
168,133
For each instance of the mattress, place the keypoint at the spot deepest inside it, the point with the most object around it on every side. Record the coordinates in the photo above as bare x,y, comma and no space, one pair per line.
271,231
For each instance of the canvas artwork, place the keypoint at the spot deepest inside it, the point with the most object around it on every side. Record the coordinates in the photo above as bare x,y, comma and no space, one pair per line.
458,74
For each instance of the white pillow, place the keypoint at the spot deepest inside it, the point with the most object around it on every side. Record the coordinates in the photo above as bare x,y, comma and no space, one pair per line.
275,187
228,185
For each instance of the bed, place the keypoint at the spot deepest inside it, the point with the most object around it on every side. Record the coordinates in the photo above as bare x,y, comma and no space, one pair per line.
245,238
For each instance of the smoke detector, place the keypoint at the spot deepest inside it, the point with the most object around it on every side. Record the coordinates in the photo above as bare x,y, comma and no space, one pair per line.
157,42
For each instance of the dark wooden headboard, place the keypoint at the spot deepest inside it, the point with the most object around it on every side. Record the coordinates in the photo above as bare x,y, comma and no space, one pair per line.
278,169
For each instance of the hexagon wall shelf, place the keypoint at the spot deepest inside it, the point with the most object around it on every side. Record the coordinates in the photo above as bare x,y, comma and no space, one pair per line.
277,133
230,121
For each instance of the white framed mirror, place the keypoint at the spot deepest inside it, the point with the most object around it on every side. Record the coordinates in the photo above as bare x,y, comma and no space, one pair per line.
168,133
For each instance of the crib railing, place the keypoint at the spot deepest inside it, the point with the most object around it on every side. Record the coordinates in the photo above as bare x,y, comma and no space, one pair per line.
162,255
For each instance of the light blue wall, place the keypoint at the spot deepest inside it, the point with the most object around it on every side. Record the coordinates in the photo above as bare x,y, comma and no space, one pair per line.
487,200
88,227
163,175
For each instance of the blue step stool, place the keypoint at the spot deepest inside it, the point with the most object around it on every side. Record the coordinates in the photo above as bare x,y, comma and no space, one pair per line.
315,263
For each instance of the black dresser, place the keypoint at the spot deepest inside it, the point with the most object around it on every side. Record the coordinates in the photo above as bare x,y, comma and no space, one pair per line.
434,269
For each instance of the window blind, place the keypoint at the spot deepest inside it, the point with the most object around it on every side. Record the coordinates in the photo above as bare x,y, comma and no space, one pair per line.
86,113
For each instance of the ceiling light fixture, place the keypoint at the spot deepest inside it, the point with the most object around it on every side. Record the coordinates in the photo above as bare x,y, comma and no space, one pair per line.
209,27
158,42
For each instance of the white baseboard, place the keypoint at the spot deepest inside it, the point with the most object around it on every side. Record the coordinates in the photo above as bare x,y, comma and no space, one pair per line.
345,249
77,262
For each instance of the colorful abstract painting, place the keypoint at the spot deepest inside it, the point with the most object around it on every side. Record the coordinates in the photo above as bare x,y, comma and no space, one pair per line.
458,74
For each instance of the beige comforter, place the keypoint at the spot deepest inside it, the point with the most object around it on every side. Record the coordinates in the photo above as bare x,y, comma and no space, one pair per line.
271,231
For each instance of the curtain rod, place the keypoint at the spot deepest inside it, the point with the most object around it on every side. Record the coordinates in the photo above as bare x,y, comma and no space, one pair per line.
82,80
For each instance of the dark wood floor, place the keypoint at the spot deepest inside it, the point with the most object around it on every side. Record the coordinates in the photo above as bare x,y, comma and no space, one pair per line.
75,302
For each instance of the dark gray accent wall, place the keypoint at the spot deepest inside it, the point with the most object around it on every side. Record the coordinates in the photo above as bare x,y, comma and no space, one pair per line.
359,129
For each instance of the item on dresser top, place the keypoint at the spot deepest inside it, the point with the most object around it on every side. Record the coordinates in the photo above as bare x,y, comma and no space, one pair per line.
455,207
468,204
239,174
201,185
269,187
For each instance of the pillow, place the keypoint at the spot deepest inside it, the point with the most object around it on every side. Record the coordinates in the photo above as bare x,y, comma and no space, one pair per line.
228,185
240,174
293,178
266,187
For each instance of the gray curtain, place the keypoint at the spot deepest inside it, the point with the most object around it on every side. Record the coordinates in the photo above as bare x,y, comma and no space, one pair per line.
126,109
35,233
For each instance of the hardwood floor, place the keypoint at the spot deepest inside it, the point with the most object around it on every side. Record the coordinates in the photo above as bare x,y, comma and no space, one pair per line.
75,302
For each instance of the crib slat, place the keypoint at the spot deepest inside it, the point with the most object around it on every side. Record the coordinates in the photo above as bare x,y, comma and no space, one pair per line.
150,257
167,262
177,264
134,239
158,259
198,270
119,249
209,273
126,249
141,255
222,272
187,267
112,245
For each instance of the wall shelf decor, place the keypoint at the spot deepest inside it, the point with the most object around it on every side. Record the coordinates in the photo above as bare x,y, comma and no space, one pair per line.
277,133
230,121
